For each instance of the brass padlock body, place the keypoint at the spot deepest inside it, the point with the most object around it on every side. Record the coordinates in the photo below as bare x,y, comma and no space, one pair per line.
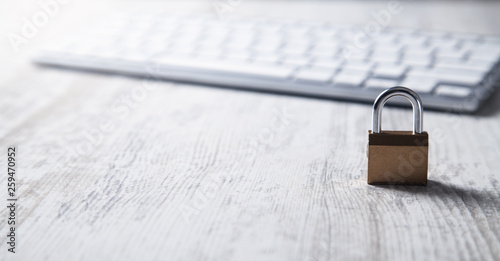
398,158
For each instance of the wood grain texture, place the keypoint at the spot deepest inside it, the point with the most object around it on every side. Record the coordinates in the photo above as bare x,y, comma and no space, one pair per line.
119,168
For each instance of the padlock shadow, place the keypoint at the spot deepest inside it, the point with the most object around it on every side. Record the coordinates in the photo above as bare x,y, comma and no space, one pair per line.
439,189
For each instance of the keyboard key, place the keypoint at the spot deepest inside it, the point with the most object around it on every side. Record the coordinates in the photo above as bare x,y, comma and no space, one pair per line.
450,76
385,38
239,43
182,48
242,24
324,49
387,71
217,66
327,63
385,56
455,91
416,60
242,55
449,60
314,76
212,40
267,46
350,77
402,30
486,52
420,84
270,27
395,47
454,53
360,66
418,52
296,29
466,36
492,39
374,83
270,58
434,34
134,57
458,76
414,40
296,60
292,48
443,42
361,55
480,65
472,64
323,69
209,49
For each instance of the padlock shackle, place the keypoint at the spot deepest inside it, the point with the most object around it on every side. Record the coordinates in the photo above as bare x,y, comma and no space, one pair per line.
418,110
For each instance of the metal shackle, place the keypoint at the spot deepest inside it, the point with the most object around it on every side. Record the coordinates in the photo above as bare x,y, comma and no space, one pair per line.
418,111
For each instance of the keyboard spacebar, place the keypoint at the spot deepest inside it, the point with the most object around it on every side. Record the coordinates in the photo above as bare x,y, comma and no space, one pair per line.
217,66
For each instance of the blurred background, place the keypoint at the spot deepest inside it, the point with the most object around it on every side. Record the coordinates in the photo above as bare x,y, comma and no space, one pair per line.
473,16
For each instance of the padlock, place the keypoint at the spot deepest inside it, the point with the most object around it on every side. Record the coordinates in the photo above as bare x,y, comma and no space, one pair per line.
398,157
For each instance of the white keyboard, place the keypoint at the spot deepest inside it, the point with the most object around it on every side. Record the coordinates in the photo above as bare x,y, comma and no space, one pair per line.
450,71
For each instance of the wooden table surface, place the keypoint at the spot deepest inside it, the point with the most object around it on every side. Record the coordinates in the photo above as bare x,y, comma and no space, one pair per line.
118,168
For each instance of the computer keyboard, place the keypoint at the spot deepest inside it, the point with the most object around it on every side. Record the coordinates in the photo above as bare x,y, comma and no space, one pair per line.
450,71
